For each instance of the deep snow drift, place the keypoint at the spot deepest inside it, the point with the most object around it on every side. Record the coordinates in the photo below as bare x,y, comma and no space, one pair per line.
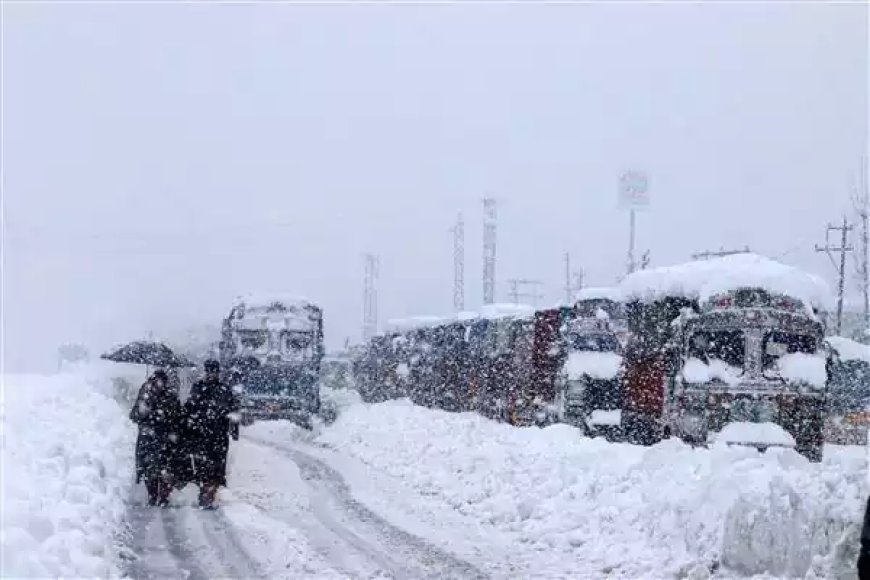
577,506
67,465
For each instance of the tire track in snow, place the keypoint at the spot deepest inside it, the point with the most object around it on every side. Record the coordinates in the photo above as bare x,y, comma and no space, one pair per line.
179,546
399,553
222,536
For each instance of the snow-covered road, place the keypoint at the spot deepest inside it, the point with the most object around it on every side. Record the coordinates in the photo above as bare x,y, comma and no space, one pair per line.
286,514
398,491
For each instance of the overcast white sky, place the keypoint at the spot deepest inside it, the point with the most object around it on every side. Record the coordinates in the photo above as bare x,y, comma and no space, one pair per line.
160,159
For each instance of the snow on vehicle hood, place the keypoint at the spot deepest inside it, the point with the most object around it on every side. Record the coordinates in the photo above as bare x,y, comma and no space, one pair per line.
749,433
598,365
703,279
848,349
800,367
697,371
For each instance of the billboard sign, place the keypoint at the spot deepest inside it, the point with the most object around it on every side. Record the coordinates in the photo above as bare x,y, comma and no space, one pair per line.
633,190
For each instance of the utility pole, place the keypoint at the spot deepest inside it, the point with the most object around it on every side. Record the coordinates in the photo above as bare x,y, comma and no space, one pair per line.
707,254
459,265
489,239
370,297
573,280
843,248
861,201
533,294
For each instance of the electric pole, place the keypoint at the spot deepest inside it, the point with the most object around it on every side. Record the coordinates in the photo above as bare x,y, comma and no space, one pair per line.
459,265
573,280
370,297
489,224
829,250
861,202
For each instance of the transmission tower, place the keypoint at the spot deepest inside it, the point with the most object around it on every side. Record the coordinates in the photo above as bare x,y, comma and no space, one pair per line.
370,297
489,224
459,265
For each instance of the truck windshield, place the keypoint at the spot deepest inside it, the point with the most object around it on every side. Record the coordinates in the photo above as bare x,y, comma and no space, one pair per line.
253,338
725,345
594,342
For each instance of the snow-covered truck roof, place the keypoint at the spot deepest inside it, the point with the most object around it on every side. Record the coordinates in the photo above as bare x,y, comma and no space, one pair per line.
599,293
506,310
255,301
415,323
701,280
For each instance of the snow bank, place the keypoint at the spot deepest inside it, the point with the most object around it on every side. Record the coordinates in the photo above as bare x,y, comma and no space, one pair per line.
578,507
762,433
800,367
697,371
67,470
704,279
848,349
598,365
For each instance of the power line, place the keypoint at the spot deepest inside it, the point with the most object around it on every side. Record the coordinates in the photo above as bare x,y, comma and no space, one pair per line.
707,254
516,293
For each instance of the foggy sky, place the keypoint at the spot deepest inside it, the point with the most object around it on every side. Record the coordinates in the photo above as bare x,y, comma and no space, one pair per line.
159,160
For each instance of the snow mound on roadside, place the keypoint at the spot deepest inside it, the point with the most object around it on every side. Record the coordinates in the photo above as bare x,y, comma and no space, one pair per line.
615,510
598,365
68,464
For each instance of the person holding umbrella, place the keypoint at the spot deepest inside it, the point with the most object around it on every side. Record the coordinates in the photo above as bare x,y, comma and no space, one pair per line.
158,413
212,413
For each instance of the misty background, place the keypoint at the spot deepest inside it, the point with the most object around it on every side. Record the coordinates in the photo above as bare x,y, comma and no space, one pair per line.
159,160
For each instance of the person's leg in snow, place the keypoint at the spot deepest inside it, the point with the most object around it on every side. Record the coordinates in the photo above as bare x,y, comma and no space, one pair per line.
207,493
152,484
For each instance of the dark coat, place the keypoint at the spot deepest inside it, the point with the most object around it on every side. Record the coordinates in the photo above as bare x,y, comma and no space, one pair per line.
864,555
212,417
159,415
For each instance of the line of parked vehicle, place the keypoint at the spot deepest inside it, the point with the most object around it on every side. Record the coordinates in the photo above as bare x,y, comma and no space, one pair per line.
732,348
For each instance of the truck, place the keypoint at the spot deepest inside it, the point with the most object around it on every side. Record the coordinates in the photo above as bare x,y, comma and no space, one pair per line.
271,350
589,393
728,349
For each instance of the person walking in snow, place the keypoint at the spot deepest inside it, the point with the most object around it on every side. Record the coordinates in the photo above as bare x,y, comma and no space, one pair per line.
864,553
212,413
158,414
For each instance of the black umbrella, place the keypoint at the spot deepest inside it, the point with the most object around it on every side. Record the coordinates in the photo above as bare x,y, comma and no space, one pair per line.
148,353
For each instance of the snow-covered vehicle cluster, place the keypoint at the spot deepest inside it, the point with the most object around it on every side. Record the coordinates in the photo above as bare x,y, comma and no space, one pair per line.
271,350
732,347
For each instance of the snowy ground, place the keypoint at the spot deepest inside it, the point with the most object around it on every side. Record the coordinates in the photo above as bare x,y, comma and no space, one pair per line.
67,459
574,506
397,491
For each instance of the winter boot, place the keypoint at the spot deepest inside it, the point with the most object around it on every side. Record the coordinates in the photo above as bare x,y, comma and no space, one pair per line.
153,487
207,494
